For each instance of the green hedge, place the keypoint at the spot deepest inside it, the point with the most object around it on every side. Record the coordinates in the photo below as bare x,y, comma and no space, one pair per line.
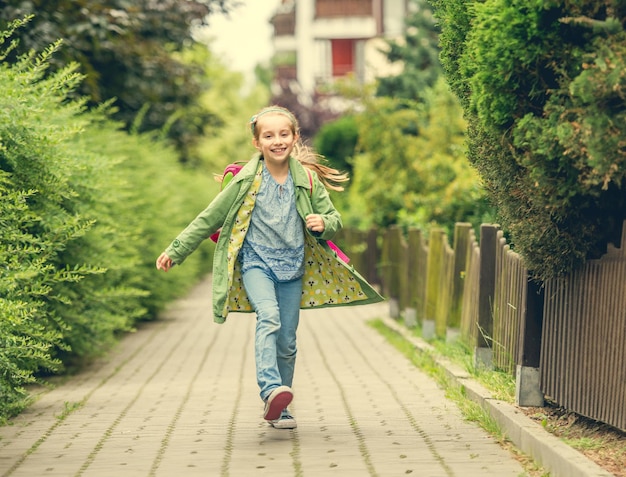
85,209
542,84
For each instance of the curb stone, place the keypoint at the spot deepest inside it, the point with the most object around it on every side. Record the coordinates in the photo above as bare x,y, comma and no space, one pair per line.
546,449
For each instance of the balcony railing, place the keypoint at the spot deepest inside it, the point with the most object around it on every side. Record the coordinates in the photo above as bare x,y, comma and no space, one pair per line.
343,8
284,24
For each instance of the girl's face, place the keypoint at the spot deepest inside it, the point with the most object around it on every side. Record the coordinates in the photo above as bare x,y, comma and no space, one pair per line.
276,137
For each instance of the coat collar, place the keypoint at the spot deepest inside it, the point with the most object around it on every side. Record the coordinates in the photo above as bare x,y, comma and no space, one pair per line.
299,175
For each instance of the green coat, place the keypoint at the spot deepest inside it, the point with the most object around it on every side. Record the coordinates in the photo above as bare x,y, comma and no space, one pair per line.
327,281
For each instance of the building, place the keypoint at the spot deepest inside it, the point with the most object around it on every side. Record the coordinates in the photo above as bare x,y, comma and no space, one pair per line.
318,41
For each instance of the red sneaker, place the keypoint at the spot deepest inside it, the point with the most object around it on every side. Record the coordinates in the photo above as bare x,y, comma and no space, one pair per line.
278,400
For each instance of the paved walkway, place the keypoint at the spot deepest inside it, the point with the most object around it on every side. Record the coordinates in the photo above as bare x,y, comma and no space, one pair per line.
179,398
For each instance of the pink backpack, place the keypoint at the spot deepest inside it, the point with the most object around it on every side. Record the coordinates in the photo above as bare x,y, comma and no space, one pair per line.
231,170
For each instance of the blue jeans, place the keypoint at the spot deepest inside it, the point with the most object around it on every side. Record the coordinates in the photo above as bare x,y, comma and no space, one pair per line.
277,307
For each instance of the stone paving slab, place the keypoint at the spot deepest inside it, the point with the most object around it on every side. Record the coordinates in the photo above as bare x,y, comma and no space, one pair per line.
179,398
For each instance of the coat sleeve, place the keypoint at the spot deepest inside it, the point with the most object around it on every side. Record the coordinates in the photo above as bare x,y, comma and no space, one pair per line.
323,205
203,226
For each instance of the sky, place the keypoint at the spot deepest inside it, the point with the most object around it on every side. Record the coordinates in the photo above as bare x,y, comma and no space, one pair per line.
245,37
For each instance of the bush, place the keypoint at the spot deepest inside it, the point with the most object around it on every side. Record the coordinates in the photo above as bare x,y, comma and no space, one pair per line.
85,209
337,140
410,168
26,339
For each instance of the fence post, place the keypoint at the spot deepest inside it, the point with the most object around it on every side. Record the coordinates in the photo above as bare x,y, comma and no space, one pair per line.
527,379
483,353
444,297
372,256
348,240
461,245
417,278
404,295
393,252
433,281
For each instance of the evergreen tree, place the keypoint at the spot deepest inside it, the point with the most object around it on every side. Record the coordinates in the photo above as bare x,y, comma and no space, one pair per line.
418,52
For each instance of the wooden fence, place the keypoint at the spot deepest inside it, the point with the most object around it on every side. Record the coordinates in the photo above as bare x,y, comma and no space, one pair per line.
583,352
564,339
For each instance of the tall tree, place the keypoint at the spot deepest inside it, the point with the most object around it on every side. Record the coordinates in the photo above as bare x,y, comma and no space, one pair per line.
418,52
126,51
543,85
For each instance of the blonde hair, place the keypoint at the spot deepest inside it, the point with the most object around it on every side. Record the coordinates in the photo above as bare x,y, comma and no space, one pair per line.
330,177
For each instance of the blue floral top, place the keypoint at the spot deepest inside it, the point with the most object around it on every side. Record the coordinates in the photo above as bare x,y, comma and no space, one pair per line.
275,239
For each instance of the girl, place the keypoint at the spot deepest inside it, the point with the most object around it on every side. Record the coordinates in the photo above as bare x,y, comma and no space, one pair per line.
272,257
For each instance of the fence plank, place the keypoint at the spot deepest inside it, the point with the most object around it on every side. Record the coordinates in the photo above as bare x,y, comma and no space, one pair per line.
461,258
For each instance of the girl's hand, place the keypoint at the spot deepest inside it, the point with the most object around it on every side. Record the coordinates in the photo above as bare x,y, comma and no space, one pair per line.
164,262
315,223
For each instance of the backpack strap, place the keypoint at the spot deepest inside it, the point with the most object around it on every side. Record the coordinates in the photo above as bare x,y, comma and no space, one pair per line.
231,171
308,171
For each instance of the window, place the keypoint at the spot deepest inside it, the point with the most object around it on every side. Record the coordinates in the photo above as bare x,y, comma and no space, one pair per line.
343,57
